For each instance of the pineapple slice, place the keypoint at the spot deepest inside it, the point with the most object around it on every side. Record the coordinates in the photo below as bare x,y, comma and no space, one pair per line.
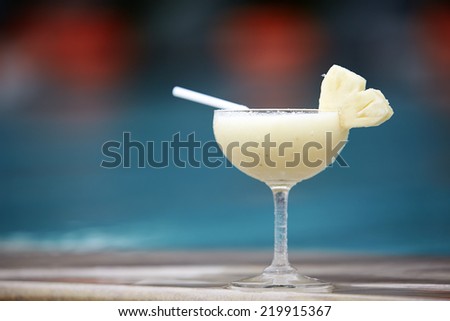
344,91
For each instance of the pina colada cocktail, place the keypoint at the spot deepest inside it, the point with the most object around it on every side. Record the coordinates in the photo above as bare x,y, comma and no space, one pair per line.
279,146
282,147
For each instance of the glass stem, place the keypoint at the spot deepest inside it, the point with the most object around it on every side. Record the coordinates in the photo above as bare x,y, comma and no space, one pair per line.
280,263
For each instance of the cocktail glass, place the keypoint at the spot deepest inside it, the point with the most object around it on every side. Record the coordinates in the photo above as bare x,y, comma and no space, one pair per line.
280,147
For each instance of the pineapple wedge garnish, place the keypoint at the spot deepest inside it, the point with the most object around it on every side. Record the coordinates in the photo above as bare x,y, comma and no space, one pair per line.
344,91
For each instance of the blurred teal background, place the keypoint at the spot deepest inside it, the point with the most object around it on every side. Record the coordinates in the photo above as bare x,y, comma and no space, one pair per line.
75,74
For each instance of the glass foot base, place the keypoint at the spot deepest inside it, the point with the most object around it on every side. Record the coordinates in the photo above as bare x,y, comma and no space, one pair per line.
288,280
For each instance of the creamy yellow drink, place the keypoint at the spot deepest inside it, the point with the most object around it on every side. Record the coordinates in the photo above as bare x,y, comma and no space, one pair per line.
280,147
286,146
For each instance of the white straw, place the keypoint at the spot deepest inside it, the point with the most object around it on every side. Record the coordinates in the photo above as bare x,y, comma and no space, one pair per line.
205,99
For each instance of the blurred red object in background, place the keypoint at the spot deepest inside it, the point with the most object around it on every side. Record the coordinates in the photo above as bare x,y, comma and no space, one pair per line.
268,50
87,47
273,42
436,37
433,26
